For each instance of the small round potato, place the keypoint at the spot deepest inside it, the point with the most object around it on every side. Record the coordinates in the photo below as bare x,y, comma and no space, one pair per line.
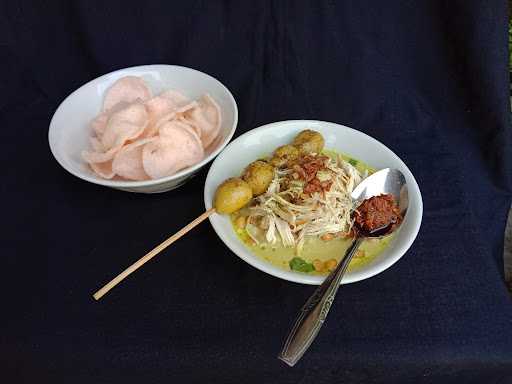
283,155
231,195
258,175
309,141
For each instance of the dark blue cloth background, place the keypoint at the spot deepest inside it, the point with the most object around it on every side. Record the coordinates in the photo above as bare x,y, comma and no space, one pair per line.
427,78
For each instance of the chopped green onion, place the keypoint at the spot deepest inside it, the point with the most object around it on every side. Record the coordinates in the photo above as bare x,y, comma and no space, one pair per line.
353,162
298,264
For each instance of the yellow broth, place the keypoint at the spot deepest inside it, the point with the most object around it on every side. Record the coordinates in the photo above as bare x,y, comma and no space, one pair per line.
315,248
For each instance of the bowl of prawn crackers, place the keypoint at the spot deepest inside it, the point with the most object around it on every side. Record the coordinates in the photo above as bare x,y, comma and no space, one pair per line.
283,194
144,129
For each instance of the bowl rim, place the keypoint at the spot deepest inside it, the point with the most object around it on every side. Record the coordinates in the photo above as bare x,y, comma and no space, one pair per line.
129,183
301,278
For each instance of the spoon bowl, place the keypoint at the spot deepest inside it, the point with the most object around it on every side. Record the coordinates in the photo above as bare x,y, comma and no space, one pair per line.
384,182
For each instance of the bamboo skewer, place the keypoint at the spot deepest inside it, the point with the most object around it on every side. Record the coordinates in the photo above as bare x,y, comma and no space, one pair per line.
155,251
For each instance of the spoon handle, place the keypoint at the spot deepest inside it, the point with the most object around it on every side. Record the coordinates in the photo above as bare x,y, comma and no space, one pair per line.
315,311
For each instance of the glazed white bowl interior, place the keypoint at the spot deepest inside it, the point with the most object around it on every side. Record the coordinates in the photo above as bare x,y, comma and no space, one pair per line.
69,128
262,141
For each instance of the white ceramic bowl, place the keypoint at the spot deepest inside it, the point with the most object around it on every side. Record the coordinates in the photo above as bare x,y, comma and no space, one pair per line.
263,140
69,131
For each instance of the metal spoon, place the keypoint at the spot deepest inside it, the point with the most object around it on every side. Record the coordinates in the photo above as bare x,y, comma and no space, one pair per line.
314,312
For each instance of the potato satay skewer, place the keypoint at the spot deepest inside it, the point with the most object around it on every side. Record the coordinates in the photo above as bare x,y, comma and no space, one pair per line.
231,195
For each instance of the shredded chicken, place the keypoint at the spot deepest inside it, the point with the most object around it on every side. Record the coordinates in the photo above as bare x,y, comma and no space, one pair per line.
310,197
